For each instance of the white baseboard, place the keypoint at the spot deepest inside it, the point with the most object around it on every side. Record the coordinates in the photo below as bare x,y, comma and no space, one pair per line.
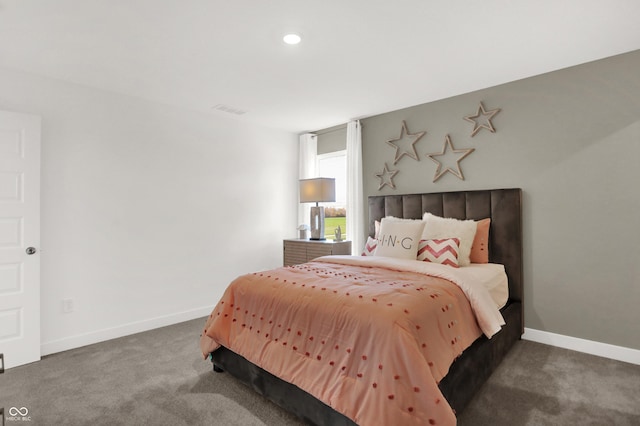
619,353
80,340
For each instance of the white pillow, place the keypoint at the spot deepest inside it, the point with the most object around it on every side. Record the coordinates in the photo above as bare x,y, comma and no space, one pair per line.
437,227
399,238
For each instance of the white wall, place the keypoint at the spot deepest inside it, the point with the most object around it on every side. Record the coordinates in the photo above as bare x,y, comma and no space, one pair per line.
148,211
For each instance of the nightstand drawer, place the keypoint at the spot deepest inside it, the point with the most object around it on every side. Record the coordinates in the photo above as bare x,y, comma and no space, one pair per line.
317,250
301,251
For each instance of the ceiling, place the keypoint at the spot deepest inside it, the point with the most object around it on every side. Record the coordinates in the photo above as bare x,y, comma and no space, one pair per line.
357,58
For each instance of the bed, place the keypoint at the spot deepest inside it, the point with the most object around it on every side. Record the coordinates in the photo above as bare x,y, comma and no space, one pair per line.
471,367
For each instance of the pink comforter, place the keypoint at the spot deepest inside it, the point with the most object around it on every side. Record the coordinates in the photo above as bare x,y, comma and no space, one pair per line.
371,342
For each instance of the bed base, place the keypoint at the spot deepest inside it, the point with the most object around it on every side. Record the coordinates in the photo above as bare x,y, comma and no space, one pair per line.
476,364
310,410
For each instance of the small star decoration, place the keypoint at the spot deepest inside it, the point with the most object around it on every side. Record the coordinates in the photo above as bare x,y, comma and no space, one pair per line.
401,152
482,120
386,177
448,147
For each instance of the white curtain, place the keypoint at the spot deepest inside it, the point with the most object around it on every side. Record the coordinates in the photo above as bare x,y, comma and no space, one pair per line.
308,168
355,209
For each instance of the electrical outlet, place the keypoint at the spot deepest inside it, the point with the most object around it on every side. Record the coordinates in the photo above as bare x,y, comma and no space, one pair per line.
68,306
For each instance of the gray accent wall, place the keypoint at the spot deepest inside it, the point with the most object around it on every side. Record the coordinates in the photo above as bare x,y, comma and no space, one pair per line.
571,140
332,139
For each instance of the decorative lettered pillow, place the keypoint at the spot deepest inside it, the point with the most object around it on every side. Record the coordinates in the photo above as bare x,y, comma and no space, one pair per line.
370,247
444,251
399,238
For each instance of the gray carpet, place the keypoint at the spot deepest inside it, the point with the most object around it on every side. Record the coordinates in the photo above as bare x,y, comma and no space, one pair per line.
543,385
158,378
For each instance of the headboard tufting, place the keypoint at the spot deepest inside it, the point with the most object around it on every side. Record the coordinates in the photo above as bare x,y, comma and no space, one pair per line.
503,206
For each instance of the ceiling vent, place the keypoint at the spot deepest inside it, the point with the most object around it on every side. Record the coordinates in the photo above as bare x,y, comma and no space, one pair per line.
228,109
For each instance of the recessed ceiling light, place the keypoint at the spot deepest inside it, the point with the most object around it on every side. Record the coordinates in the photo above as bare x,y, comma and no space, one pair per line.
292,39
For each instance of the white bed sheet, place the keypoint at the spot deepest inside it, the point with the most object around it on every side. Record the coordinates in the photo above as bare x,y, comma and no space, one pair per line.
492,277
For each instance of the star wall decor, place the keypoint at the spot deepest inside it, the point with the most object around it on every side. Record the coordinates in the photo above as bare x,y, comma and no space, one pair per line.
411,149
447,153
386,177
482,119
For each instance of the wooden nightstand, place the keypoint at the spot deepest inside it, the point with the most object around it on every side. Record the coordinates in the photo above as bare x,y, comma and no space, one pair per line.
301,251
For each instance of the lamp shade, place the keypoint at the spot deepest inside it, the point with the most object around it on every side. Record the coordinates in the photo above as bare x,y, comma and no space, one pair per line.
317,190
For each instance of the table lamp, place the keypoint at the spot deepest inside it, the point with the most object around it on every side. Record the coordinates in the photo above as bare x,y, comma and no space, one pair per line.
317,190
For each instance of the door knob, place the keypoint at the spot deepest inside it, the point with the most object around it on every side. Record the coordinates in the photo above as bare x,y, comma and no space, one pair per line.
30,250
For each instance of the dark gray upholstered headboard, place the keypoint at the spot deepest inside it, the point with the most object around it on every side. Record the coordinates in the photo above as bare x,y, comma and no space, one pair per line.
503,206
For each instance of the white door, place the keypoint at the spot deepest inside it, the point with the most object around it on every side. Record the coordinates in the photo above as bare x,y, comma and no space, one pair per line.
19,236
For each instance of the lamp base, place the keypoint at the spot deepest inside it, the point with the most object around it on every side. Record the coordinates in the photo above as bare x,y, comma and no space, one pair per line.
317,223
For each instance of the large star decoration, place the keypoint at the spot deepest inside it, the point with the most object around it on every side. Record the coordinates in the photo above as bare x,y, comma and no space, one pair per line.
386,177
411,150
482,119
446,153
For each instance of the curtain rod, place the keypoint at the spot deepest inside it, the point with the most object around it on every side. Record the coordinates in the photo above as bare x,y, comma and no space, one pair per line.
331,129
334,129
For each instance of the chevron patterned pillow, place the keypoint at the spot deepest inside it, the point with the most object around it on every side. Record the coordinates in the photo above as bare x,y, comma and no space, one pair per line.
370,247
444,251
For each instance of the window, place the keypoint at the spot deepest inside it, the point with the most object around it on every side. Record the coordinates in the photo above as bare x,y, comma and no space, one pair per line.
334,165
